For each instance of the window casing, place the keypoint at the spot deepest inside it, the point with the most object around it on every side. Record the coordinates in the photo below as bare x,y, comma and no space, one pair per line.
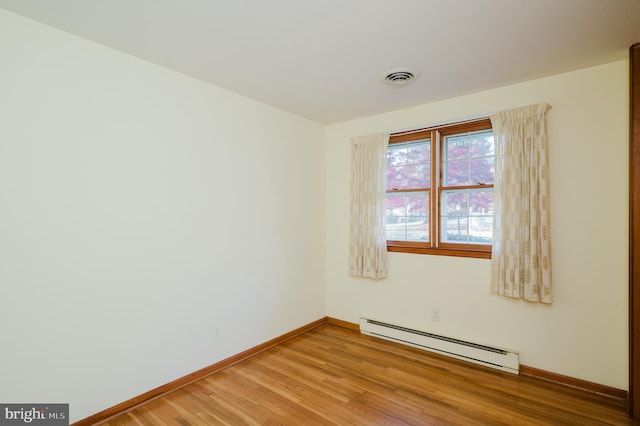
440,190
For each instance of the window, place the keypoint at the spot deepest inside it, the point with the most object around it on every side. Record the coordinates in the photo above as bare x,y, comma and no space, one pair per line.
439,196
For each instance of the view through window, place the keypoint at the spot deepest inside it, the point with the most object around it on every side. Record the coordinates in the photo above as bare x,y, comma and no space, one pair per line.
439,196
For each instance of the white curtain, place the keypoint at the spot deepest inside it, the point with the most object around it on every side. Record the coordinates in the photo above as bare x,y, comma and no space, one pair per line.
521,258
368,242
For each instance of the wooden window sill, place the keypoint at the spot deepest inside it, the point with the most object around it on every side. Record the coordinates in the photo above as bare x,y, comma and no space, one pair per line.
476,254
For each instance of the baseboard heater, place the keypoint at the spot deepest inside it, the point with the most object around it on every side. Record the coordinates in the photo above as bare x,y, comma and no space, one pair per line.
501,359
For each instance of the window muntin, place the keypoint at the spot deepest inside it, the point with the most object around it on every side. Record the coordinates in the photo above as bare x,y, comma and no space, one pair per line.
440,195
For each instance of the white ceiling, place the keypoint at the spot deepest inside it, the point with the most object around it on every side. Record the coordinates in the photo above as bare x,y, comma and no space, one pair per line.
323,59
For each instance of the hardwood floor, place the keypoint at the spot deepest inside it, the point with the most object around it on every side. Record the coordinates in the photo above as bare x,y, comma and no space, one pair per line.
332,375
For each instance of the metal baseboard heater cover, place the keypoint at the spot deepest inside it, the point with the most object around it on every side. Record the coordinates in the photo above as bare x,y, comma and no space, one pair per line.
499,358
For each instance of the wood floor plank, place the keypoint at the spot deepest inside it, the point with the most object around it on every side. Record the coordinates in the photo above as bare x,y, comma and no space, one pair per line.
336,376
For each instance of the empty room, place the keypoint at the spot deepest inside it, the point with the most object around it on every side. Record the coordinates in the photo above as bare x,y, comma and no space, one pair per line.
337,212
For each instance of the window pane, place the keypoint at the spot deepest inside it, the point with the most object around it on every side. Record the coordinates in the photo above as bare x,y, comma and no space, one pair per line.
396,155
456,173
417,204
457,147
407,177
407,216
481,144
409,165
481,170
482,154
469,159
467,216
419,152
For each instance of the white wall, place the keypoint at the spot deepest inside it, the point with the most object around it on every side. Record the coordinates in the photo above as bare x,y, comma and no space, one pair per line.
140,210
583,334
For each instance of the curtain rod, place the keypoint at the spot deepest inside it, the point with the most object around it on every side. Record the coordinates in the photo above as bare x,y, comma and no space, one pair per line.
439,124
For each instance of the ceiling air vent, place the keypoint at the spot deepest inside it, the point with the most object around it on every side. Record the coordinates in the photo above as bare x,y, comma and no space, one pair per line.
399,76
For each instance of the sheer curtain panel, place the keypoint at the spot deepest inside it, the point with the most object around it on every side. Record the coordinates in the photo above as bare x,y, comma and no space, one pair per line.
368,242
521,258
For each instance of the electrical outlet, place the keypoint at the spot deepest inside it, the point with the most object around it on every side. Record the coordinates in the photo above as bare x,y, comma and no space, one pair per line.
216,333
435,315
